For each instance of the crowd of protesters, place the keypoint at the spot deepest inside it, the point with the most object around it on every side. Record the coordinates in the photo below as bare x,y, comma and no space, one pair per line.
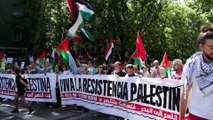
121,69
197,65
118,68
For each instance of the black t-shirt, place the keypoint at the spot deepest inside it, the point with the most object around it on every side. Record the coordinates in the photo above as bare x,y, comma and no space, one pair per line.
121,73
19,85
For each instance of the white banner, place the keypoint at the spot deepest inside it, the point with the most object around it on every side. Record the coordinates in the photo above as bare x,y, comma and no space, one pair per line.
109,94
42,89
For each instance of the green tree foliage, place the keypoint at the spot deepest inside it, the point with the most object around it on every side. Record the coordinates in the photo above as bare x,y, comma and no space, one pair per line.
164,25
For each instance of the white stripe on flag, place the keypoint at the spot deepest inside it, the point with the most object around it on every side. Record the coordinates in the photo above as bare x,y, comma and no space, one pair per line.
72,63
75,26
109,51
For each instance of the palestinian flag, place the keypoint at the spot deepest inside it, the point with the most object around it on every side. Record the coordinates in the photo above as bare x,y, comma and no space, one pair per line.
83,2
73,10
76,25
42,57
2,57
63,49
2,61
88,34
85,9
76,18
140,53
76,38
137,59
166,65
109,51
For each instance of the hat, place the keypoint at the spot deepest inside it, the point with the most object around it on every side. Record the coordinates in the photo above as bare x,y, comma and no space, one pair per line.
143,66
155,62
129,66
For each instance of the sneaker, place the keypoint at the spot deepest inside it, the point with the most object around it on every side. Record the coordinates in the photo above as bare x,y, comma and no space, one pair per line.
57,106
30,111
14,111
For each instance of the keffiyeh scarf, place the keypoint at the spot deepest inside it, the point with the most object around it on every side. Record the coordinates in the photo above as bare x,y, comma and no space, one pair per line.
202,71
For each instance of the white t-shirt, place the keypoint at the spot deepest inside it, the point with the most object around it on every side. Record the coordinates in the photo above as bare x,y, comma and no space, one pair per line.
154,72
67,72
199,104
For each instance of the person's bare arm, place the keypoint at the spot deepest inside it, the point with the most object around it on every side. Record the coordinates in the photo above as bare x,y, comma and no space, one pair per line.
26,84
184,98
22,82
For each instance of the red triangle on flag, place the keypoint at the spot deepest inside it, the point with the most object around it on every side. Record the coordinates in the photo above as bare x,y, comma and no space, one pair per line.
136,54
1,56
64,45
43,54
74,11
76,38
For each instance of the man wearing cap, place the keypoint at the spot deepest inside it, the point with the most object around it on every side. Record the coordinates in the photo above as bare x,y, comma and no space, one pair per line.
118,69
130,70
157,71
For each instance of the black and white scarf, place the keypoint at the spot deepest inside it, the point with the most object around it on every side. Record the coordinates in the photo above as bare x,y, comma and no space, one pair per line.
203,72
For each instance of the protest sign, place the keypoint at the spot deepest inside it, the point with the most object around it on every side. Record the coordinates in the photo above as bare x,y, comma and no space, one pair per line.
42,89
109,94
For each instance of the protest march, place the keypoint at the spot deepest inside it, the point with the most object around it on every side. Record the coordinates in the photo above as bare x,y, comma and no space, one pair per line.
128,97
112,60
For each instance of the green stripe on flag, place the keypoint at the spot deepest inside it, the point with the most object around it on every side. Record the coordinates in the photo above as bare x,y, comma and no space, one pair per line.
168,71
85,15
65,56
41,60
88,34
138,61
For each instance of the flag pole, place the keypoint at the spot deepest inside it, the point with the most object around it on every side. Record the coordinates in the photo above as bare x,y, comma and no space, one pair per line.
131,56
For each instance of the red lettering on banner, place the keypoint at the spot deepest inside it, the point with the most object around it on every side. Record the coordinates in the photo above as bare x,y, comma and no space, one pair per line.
129,106
8,92
44,95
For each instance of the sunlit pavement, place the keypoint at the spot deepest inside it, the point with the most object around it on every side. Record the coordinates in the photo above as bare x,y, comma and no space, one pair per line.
42,112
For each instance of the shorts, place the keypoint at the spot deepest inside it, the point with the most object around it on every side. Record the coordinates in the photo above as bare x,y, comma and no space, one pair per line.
194,117
20,92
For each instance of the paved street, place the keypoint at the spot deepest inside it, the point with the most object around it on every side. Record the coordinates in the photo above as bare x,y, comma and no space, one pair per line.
42,112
